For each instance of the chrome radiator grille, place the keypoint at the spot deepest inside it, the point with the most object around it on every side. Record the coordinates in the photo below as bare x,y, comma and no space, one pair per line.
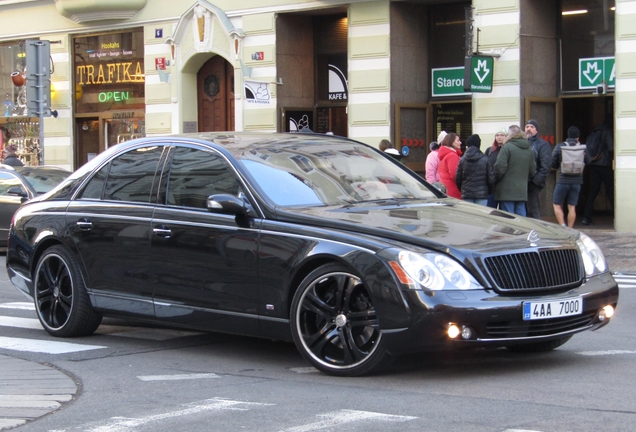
549,269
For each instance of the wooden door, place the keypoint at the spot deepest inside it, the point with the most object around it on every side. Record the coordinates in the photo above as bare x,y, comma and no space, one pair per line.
215,90
87,140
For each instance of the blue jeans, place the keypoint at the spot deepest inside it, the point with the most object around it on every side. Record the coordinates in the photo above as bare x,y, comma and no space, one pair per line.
516,207
491,201
480,201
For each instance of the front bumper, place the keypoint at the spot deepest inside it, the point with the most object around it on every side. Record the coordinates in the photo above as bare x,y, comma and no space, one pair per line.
495,319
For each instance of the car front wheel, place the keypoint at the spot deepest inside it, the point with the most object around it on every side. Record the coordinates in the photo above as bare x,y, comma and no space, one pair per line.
61,301
335,325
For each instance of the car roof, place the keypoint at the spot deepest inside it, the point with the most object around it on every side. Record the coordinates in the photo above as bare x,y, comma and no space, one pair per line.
236,142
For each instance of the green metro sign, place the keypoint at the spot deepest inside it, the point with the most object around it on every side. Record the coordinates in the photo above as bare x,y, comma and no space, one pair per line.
448,81
478,72
594,71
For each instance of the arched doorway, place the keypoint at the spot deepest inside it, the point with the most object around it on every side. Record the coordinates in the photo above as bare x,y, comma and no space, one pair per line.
215,94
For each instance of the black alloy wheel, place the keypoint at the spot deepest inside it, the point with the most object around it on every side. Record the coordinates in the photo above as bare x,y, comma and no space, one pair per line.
61,301
335,325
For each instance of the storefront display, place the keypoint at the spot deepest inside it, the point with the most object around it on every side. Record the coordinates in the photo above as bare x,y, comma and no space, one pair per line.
24,133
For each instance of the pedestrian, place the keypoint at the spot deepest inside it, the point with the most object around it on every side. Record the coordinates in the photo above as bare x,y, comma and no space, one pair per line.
492,152
385,144
600,168
542,159
568,186
10,157
387,147
432,161
449,154
475,175
514,166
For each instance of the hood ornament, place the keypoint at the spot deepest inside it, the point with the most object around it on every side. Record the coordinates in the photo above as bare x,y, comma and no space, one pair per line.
533,238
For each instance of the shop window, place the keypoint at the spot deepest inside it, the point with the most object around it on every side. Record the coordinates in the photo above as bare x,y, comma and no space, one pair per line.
587,31
109,72
447,30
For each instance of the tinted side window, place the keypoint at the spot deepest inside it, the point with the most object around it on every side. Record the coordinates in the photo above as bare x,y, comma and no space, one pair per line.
7,181
131,175
197,174
95,186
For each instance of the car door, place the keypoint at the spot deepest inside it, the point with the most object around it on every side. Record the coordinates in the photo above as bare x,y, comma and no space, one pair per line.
109,223
8,203
204,264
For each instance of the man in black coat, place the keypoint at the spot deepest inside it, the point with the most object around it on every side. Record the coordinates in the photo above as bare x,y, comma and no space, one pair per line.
475,175
542,158
600,170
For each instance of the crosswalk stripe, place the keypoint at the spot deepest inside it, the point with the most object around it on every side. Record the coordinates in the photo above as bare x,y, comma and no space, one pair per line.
625,281
128,424
337,418
44,346
193,376
18,306
27,323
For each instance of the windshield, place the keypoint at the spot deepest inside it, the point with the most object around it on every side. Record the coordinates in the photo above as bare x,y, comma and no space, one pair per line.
43,180
340,174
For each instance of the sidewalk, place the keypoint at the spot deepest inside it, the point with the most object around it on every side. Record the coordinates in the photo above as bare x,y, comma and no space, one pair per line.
619,248
29,390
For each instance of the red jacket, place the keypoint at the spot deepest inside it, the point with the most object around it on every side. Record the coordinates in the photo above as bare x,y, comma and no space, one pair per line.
448,161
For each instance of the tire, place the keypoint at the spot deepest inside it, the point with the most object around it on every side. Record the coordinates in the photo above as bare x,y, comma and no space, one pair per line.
335,325
60,297
538,347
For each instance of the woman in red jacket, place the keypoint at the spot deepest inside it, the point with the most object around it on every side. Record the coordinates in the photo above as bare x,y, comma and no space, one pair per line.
449,153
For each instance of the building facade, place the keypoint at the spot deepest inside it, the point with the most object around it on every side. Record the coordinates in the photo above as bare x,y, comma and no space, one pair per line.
368,70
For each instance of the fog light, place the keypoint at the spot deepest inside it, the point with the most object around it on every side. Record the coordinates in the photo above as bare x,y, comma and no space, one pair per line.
609,311
467,333
453,331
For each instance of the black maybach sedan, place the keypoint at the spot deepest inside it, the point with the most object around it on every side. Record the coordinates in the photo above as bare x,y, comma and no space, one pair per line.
318,240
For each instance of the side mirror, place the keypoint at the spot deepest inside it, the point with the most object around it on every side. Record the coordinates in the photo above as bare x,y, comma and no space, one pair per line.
18,192
229,204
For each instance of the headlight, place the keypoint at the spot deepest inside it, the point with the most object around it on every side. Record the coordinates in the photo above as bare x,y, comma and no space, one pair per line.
433,271
593,258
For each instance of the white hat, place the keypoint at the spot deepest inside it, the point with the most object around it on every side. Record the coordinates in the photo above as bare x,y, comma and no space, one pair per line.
441,137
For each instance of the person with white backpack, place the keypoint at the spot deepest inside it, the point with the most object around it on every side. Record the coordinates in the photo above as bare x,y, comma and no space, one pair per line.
569,158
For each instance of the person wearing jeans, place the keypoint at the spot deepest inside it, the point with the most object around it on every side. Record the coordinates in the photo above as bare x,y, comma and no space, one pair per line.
514,166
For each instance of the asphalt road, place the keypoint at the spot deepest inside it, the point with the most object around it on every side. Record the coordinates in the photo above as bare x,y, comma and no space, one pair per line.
133,377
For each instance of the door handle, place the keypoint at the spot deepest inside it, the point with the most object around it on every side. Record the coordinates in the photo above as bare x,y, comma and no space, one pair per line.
162,232
84,224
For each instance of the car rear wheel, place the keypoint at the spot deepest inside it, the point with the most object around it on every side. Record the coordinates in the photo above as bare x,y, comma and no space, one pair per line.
537,347
335,325
61,301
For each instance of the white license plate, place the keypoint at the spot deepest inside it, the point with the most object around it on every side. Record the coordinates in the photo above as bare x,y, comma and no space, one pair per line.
552,309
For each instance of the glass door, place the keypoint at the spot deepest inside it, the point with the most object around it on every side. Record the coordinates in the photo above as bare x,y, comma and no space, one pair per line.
120,130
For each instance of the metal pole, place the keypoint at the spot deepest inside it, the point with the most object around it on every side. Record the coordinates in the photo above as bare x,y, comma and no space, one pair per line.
40,84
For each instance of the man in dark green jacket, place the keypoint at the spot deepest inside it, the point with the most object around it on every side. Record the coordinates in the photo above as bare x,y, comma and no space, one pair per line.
515,165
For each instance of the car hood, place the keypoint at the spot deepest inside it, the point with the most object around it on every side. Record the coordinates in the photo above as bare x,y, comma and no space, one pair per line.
446,224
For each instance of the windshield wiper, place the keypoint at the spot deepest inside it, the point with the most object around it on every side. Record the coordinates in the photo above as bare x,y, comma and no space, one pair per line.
392,201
